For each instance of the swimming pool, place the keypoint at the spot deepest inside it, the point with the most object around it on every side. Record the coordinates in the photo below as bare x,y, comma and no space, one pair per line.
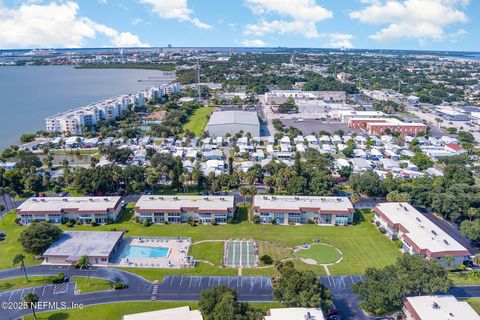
135,252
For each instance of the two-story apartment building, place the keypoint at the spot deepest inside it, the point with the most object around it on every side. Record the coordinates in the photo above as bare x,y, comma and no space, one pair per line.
418,234
179,209
61,209
303,209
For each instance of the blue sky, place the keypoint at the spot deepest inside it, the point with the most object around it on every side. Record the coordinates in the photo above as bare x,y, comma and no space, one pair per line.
375,24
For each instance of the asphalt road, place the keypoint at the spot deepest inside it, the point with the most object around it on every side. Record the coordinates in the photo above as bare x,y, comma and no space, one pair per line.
172,288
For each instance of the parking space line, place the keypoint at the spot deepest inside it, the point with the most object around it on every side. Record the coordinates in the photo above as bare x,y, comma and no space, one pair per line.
190,283
343,281
43,292
171,280
351,278
181,281
10,297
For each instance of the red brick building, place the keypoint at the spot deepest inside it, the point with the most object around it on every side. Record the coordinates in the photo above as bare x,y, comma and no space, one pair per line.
376,126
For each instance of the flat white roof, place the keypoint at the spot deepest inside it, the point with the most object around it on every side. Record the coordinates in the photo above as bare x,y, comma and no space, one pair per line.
233,117
176,203
299,203
441,308
295,314
57,204
74,244
180,313
423,232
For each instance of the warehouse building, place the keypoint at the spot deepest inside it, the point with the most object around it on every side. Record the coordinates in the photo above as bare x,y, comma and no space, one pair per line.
61,209
303,209
98,246
232,122
418,234
181,209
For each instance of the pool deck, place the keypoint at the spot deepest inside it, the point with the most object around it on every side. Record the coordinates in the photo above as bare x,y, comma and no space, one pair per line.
177,255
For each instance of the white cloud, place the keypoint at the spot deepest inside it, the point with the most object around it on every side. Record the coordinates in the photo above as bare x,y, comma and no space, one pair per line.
411,19
175,9
137,21
253,43
340,40
55,25
301,17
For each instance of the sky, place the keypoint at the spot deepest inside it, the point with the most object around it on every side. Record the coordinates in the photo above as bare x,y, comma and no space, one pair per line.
452,25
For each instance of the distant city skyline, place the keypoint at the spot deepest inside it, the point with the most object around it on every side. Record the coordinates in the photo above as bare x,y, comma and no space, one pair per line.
443,25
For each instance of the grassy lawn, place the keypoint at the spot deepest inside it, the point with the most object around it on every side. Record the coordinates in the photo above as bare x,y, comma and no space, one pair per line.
208,251
202,269
198,120
321,253
463,279
83,286
115,311
274,251
361,244
10,246
475,303
17,283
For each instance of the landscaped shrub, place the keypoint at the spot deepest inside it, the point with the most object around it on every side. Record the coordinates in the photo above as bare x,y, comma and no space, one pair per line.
213,222
382,230
398,243
60,277
230,220
95,224
70,223
256,219
147,223
119,285
266,259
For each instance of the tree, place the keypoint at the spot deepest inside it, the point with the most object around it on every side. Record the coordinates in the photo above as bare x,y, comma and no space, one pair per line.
220,303
456,173
27,137
39,236
422,161
301,289
471,229
382,290
348,152
84,263
266,259
2,207
31,300
368,183
20,258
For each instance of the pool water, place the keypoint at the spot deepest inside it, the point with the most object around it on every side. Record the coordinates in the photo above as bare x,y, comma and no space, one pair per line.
132,252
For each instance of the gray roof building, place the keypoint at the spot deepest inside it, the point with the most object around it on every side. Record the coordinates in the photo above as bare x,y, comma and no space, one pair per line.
223,122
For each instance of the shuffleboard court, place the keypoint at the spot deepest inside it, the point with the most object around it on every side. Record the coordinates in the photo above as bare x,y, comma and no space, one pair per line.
240,254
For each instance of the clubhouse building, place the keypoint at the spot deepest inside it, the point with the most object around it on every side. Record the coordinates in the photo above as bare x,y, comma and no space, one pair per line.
303,209
181,209
438,308
98,246
61,209
418,234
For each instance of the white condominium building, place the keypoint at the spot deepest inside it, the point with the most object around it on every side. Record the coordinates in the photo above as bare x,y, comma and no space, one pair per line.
62,209
75,120
303,209
418,234
180,209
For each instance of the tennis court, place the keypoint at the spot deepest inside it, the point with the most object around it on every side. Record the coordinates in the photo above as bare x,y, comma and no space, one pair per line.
240,254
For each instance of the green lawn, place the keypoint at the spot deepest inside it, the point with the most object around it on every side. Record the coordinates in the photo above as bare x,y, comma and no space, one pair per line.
83,286
198,120
115,311
276,252
463,279
17,283
202,269
361,244
321,253
10,246
208,251
475,303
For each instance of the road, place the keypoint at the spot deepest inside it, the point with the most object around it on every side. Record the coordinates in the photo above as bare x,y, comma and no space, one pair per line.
173,288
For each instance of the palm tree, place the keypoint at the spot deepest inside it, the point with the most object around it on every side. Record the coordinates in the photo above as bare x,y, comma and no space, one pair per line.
31,299
84,263
20,258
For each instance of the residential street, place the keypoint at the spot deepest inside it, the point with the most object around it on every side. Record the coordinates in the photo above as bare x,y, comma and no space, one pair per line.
172,288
